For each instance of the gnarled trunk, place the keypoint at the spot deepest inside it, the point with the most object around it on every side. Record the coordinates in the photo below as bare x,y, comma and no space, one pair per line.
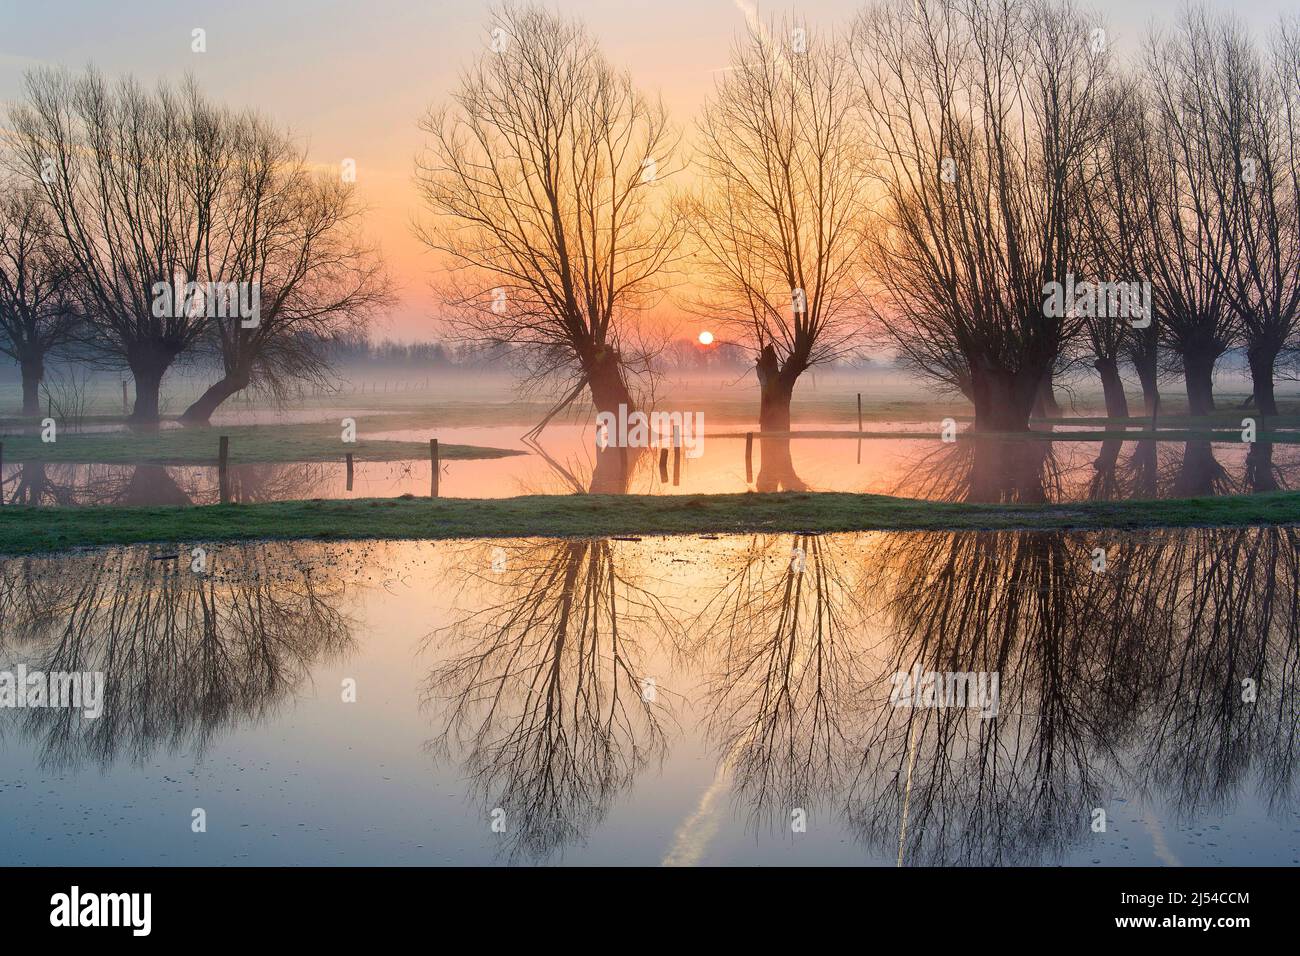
148,362
605,379
1147,376
775,390
1262,359
1045,403
200,412
1112,388
776,467
33,368
1198,370
1003,399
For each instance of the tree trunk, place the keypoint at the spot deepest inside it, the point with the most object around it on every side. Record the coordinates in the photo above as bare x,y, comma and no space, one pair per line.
33,367
605,379
1147,376
776,389
1198,370
776,467
1112,388
1261,360
609,390
201,411
1002,401
148,362
1045,403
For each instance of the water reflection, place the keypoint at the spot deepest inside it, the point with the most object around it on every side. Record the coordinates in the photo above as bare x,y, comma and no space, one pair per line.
1127,681
185,656
565,675
781,646
545,699
1008,471
971,469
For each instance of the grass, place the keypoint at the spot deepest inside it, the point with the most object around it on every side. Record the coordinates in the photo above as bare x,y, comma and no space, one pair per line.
1163,434
26,530
248,443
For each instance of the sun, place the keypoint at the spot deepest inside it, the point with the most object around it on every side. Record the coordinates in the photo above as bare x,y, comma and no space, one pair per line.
706,337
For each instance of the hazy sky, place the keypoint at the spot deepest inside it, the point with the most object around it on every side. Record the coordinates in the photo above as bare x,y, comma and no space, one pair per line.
351,77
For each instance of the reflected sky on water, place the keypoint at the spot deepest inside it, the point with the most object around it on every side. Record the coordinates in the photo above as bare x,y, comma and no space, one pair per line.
665,700
565,459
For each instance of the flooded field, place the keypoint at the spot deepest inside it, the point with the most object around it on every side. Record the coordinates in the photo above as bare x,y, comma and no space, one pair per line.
679,700
567,461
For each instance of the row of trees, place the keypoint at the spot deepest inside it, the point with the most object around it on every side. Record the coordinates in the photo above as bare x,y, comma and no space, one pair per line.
115,198
917,181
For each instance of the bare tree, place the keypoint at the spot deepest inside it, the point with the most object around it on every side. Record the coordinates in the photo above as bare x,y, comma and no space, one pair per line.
1114,210
778,218
36,311
544,181
979,114
294,237
131,180
1251,111
1189,232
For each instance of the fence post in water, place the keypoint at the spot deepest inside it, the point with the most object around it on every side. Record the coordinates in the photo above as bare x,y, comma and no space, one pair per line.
663,464
859,413
349,471
677,455
223,456
433,462
749,458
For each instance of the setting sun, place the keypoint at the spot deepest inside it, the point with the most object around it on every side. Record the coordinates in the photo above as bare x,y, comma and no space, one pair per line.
706,338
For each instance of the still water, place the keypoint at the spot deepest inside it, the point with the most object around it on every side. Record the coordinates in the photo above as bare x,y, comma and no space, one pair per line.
674,700
567,462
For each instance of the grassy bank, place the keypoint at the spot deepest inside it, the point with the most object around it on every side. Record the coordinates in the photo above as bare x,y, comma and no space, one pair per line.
1163,434
31,530
248,443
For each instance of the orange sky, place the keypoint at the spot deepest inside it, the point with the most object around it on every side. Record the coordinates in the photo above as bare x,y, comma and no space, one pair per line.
352,78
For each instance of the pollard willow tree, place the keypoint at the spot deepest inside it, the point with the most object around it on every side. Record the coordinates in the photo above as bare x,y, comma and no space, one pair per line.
1114,218
1189,235
294,236
37,312
1250,113
777,221
978,114
543,179
130,179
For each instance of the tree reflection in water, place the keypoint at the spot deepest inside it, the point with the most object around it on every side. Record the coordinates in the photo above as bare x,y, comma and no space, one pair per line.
62,484
541,697
185,656
1019,470
1124,681
782,646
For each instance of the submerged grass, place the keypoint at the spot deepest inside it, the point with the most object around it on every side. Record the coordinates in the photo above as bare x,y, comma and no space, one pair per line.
26,530
248,443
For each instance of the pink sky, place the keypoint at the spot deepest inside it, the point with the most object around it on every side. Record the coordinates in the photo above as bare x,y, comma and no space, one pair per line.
352,78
